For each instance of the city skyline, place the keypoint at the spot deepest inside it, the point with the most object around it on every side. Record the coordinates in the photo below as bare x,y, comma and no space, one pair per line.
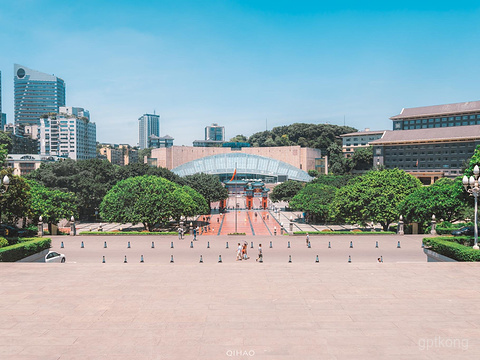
244,65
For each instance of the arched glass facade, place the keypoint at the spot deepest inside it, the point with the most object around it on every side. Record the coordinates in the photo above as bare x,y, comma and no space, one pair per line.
248,167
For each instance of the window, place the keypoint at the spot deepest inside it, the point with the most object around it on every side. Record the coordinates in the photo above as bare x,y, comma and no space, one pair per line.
465,117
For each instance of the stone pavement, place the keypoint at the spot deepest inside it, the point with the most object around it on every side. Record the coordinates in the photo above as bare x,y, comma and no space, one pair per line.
239,310
210,247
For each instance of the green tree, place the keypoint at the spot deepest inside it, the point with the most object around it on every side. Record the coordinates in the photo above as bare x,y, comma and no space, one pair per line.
445,199
362,158
374,196
313,173
52,205
209,186
338,163
333,180
315,200
147,200
285,191
239,138
144,152
474,160
15,202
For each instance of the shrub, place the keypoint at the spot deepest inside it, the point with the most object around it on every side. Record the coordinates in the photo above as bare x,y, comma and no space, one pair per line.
449,247
3,242
22,250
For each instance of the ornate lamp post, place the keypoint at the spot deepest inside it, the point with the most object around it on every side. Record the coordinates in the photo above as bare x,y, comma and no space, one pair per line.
5,182
471,186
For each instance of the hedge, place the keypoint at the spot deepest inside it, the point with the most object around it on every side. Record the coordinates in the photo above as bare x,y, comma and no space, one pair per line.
449,247
127,233
329,232
22,250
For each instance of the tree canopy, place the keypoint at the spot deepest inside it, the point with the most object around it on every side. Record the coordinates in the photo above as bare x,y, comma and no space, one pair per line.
445,199
90,179
209,186
53,205
315,200
374,196
285,191
474,160
148,200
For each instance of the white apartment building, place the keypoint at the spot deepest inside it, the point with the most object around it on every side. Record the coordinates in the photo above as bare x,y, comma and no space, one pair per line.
68,134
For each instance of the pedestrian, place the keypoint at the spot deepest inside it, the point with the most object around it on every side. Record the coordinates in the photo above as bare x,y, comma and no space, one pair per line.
194,234
260,253
218,219
239,252
179,233
245,255
307,240
268,216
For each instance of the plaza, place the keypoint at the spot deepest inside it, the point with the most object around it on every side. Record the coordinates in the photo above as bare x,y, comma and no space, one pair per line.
403,308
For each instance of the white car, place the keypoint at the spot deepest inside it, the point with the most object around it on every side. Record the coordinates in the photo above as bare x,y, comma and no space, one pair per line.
53,256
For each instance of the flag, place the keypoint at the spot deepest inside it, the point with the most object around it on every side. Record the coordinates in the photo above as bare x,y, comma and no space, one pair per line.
416,164
233,176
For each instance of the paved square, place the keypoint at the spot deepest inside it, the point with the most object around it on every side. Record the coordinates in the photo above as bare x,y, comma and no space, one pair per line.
302,310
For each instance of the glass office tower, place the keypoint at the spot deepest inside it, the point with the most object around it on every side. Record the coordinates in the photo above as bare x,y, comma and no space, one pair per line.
148,124
36,94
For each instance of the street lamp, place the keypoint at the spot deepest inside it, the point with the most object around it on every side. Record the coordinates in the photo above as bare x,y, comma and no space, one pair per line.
5,182
471,186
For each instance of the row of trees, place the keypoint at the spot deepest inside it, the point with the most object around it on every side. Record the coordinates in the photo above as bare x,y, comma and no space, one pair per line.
90,180
379,196
135,193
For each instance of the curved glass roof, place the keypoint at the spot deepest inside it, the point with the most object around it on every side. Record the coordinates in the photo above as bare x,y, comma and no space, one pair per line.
246,164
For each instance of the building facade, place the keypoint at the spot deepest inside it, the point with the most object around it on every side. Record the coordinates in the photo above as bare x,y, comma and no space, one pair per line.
160,141
430,142
303,159
438,116
353,141
24,164
119,154
70,133
148,125
36,94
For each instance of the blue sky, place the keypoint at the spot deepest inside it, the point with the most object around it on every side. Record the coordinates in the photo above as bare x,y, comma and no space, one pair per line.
238,63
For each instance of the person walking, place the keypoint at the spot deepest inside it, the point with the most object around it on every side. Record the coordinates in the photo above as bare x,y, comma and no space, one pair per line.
180,233
244,251
260,253
239,252
307,239
194,234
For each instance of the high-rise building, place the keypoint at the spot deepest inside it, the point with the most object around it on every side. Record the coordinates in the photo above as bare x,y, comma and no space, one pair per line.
36,94
68,134
215,133
3,117
148,125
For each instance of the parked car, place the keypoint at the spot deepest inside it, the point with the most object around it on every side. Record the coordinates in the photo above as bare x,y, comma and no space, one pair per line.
53,256
12,231
466,230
